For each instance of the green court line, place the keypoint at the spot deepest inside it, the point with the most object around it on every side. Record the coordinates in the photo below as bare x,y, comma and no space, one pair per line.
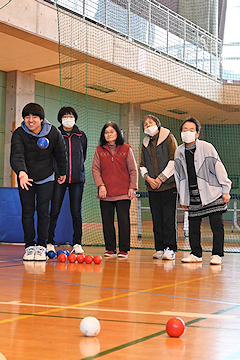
120,347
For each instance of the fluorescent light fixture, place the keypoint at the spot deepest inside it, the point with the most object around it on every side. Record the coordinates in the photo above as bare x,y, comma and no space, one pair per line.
177,111
100,88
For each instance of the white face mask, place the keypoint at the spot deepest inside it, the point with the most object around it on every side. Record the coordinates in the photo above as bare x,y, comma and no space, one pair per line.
151,130
188,136
68,122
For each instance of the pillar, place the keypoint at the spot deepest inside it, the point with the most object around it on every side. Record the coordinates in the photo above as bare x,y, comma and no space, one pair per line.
130,125
20,90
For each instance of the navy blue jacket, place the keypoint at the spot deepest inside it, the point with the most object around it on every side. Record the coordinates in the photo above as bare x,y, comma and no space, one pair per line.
76,147
37,163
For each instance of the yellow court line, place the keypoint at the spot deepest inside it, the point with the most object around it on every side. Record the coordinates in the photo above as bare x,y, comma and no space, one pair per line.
21,317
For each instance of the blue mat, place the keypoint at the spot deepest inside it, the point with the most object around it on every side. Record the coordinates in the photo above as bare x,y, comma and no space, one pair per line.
10,219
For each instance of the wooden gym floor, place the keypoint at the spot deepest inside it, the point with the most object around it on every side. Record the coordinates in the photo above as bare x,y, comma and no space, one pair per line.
42,306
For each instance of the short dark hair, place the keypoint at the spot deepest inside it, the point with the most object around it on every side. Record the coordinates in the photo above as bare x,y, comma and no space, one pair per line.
33,109
120,138
154,118
67,110
193,120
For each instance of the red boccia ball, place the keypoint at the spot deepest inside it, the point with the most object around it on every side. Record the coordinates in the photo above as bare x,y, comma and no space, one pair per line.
88,259
72,258
175,327
97,259
62,257
80,258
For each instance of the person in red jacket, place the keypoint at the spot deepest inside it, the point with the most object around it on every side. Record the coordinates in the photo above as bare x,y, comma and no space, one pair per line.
116,177
76,147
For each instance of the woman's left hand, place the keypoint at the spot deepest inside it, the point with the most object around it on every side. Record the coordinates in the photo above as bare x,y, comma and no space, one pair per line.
131,194
226,198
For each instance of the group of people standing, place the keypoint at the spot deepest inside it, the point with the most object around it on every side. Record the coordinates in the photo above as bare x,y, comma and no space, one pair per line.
48,160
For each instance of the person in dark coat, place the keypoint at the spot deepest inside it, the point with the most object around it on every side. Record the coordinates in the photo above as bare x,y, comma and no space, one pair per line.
76,146
34,146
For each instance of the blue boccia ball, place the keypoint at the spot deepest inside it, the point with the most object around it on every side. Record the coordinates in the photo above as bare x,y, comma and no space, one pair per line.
66,252
59,252
51,254
43,143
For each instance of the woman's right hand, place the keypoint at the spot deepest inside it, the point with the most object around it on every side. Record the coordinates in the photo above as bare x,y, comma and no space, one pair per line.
24,180
102,191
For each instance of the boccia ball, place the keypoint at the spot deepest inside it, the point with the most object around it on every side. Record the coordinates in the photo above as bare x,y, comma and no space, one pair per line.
175,327
88,259
72,258
90,326
62,257
43,143
97,259
80,258
59,252
66,252
51,254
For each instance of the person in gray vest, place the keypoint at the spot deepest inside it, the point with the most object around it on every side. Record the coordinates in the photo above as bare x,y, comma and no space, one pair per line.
157,169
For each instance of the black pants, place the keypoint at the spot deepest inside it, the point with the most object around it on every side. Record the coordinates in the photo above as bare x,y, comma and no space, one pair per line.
75,197
107,212
37,197
217,227
163,209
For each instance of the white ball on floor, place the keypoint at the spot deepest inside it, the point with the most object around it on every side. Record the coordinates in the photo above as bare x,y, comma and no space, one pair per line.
90,326
2,357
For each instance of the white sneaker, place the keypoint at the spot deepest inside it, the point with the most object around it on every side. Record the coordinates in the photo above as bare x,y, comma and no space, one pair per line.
168,254
50,247
29,253
215,260
191,259
77,249
158,254
40,253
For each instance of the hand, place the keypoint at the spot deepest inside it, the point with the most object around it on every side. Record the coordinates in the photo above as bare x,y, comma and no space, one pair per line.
159,181
102,192
24,180
184,207
61,179
226,198
152,182
131,194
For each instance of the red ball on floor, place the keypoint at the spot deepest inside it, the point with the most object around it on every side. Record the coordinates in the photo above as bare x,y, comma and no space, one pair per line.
175,327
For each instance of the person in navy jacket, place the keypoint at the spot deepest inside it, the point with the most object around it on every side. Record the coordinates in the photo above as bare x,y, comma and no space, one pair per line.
76,147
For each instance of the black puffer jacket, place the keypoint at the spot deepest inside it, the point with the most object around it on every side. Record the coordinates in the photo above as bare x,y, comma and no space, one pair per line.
37,163
76,147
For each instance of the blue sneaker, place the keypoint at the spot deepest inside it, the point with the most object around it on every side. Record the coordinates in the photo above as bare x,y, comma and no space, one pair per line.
168,254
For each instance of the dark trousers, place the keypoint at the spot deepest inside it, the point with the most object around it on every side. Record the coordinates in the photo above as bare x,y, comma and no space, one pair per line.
75,197
217,227
37,197
163,209
107,212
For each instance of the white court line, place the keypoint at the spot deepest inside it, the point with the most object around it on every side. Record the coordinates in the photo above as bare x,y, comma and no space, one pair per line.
165,313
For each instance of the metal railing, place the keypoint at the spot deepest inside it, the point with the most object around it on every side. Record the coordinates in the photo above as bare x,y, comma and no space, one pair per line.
155,26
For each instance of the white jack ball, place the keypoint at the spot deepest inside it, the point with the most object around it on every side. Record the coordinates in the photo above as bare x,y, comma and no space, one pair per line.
90,326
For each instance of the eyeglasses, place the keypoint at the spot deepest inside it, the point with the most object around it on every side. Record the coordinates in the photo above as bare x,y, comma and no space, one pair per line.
110,132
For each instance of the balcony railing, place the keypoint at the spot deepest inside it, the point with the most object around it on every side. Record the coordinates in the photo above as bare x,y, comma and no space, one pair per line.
155,26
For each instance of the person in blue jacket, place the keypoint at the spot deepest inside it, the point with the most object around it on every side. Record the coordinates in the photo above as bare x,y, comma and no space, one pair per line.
34,146
76,146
